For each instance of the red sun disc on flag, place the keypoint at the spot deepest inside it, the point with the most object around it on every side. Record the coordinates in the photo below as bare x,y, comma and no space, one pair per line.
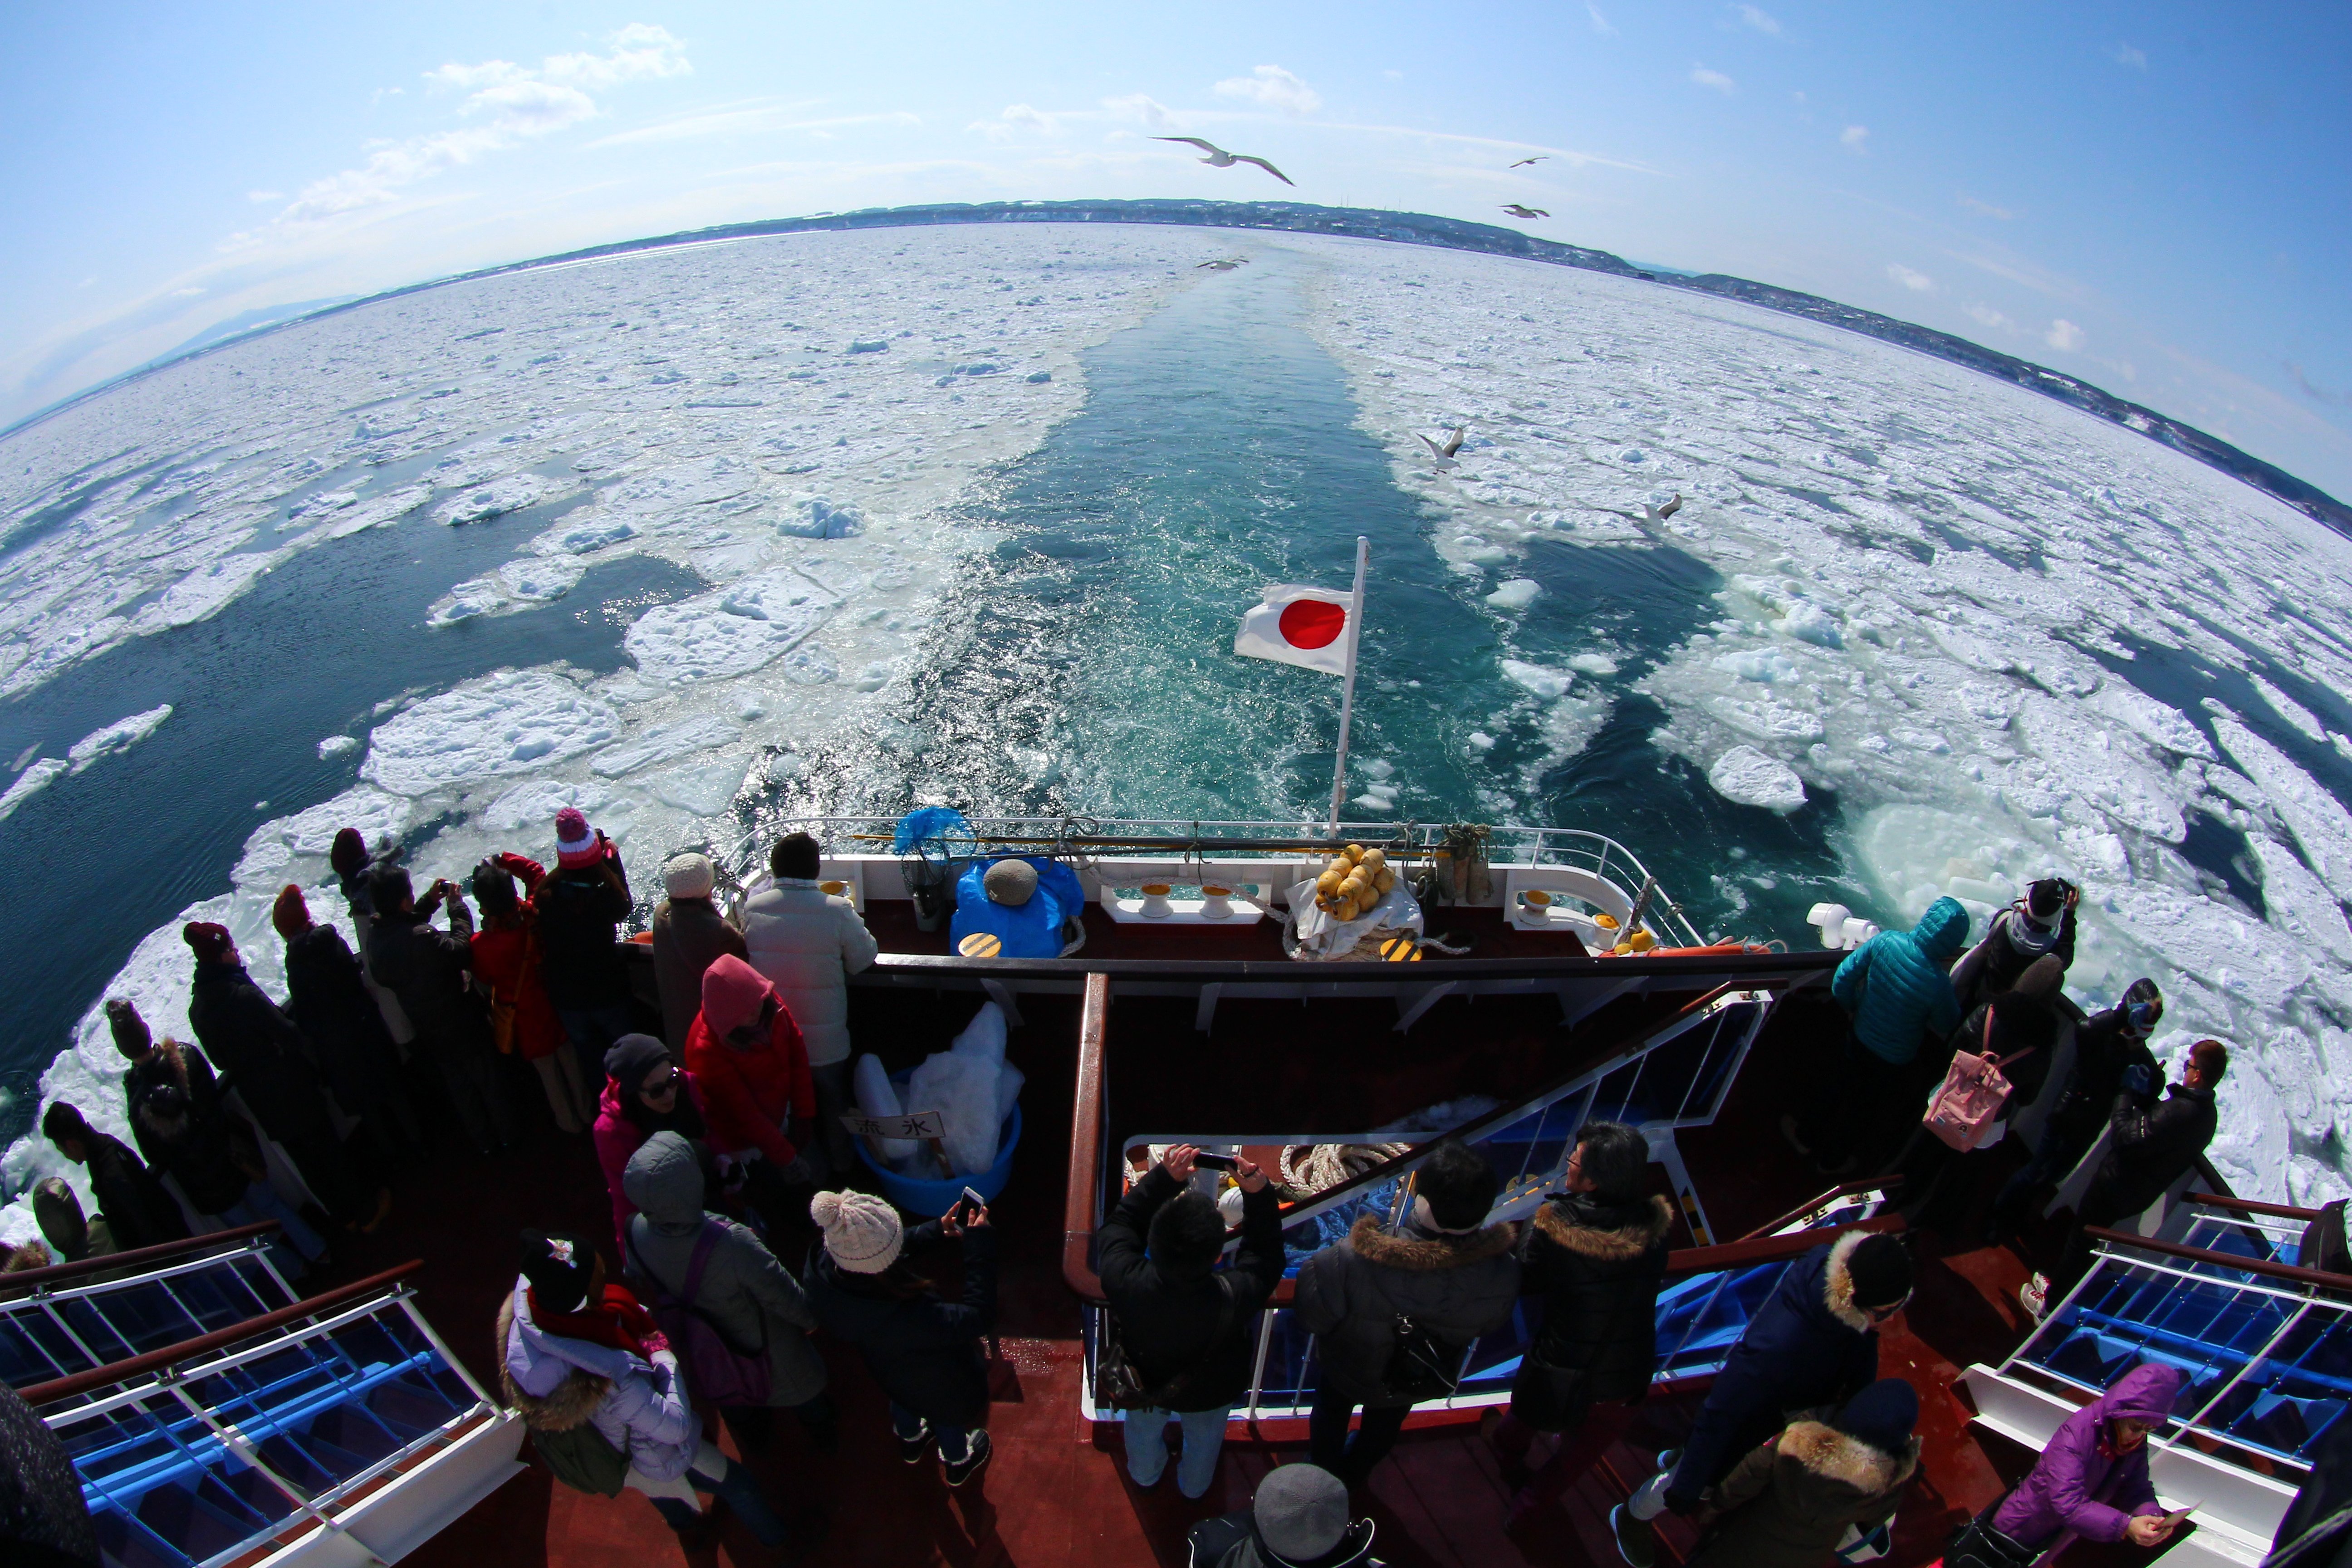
1312,622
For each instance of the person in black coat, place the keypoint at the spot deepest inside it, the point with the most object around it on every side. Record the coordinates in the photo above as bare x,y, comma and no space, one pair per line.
188,1133
1596,1254
264,1057
1157,1255
137,1210
1813,1343
2107,1044
2155,1143
431,971
2318,1524
580,905
2019,1028
328,998
2039,925
923,1349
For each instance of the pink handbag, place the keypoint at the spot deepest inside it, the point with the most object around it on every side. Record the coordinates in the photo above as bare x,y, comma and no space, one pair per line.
1973,1091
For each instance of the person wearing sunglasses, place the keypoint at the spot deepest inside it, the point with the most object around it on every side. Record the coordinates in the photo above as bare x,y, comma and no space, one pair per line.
2105,1043
645,1092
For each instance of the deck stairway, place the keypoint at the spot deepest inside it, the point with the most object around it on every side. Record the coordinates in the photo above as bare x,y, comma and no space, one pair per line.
2264,1347
216,1418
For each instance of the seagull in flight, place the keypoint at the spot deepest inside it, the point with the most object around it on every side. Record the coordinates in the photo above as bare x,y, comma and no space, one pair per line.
1218,158
1525,161
1443,455
1517,211
1220,266
1660,514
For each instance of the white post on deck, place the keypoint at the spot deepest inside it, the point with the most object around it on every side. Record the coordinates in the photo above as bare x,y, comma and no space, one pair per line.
1348,691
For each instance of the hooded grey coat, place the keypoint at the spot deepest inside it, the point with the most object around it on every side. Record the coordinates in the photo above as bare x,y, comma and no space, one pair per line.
1350,1293
746,1294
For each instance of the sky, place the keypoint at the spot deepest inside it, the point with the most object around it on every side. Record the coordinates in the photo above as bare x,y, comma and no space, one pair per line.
2155,197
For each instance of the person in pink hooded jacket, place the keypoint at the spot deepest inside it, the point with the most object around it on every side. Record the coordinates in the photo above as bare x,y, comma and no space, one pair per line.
2092,1481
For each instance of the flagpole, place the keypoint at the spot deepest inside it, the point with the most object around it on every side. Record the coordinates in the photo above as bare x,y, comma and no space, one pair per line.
1348,692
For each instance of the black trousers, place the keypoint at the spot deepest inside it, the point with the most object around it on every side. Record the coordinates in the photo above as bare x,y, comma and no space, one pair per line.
1859,1110
1326,1436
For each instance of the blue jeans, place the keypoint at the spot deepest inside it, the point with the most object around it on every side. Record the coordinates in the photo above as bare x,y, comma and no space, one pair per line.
593,1030
1147,1447
734,1486
261,1201
954,1446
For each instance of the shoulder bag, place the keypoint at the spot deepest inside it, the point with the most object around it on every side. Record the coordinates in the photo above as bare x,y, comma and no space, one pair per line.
717,1372
1119,1382
1973,1091
1422,1365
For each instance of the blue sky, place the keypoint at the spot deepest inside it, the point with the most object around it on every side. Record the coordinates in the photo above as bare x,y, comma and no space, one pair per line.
2155,197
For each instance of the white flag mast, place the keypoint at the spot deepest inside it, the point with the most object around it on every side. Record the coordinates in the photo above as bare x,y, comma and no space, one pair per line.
1348,692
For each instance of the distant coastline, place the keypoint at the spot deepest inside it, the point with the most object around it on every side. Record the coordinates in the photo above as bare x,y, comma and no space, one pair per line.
1406,228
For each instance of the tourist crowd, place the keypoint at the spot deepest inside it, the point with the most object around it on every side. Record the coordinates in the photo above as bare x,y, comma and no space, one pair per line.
726,1128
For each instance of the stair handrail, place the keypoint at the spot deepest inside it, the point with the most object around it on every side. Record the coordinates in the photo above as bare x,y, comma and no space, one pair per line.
138,1256
2248,1205
2236,1262
122,1371
1842,1190
1751,1252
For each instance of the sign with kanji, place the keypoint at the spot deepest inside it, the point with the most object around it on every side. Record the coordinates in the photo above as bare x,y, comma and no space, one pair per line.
917,1124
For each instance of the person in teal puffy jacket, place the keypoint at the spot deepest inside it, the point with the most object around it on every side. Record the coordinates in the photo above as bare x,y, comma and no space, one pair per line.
1897,989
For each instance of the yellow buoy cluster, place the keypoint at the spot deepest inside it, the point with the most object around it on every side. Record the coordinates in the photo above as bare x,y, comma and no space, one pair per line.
1353,882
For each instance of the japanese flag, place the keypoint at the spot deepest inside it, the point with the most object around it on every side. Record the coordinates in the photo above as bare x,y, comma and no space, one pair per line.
1298,625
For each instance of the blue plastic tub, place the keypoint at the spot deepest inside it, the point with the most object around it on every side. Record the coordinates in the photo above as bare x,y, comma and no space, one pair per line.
929,1200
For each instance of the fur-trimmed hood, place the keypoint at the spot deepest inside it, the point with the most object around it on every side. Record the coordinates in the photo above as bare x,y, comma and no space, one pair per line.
1427,1254
572,1400
1837,1284
1647,1224
1834,1456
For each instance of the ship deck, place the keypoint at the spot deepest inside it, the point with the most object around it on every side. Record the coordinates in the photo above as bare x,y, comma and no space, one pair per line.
1056,1491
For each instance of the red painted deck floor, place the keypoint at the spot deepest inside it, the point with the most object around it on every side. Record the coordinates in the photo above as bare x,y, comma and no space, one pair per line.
1057,1492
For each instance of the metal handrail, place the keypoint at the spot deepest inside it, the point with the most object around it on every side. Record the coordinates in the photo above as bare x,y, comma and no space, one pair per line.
1843,1189
2248,1205
1758,970
1756,1251
203,1344
139,1257
2232,1261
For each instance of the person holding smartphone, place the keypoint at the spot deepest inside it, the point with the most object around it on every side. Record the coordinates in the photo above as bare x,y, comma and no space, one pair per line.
2091,1482
869,1290
1189,1327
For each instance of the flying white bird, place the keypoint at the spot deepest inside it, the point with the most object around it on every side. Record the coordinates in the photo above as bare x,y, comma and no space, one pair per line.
1218,158
1517,211
1660,514
1525,161
1443,455
1220,266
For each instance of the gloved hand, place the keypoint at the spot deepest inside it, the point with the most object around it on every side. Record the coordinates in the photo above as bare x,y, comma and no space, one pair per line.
798,1174
2140,1079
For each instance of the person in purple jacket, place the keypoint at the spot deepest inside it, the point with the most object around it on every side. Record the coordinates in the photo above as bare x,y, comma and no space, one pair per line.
2091,1481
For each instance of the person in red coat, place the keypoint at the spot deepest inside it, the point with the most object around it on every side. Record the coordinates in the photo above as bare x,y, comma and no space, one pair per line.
747,1058
506,958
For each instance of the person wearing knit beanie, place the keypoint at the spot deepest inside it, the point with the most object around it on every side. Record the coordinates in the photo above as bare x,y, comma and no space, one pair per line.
689,936
922,1347
209,940
690,875
862,1232
291,915
1882,1416
131,1036
349,853
1881,1270
576,843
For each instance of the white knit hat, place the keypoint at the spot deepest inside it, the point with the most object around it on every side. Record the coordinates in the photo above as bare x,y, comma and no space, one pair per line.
690,875
861,1231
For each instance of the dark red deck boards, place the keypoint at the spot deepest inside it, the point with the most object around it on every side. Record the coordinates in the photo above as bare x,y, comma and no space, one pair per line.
1057,1493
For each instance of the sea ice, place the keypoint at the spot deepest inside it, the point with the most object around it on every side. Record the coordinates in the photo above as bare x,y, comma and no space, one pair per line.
732,632
30,783
1515,594
503,723
119,736
1746,775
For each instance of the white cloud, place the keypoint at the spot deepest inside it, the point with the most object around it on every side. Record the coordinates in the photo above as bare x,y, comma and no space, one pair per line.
1716,79
188,293
2063,335
1986,209
1142,106
507,104
641,52
265,195
1985,315
1854,138
1759,20
1017,120
1601,23
1275,88
1918,282
2128,56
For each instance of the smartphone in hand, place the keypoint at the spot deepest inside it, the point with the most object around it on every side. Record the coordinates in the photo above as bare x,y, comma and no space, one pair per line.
970,1203
1216,1163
